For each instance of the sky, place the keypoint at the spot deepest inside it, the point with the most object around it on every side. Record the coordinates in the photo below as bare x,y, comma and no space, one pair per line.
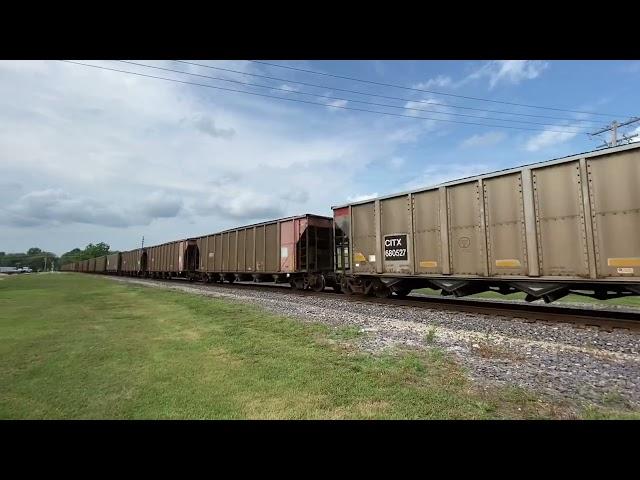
89,155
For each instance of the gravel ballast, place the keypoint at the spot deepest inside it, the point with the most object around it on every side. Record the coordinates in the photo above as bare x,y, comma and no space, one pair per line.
581,365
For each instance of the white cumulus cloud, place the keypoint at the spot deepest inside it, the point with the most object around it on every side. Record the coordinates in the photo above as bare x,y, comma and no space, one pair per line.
336,104
548,138
436,174
441,81
289,88
90,155
483,139
509,71
362,197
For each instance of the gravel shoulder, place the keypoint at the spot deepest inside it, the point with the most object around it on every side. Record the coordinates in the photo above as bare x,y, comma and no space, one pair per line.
583,366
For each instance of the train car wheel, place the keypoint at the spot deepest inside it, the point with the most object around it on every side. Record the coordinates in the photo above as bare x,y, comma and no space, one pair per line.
301,283
382,291
402,293
346,288
317,283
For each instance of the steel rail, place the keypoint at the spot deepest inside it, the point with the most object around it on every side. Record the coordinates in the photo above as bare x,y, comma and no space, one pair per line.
604,319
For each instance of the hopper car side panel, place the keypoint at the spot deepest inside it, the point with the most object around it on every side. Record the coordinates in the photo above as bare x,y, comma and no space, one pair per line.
101,264
134,262
284,250
178,258
113,263
546,229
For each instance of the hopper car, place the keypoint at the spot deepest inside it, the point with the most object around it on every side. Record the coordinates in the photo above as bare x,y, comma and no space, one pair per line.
569,225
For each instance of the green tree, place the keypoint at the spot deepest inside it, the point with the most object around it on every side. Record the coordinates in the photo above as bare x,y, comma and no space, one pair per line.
90,251
98,250
34,259
71,256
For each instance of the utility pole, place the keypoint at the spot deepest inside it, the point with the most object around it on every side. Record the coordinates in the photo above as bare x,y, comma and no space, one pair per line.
613,128
45,264
142,247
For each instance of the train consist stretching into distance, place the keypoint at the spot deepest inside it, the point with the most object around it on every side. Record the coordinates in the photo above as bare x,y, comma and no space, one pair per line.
570,225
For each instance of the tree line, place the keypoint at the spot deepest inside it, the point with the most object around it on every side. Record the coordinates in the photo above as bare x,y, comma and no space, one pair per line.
35,257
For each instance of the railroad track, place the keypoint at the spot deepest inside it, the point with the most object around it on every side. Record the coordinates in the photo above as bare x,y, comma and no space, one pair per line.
607,320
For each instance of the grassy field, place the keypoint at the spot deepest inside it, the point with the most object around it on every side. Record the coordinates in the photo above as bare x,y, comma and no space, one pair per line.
76,346
626,302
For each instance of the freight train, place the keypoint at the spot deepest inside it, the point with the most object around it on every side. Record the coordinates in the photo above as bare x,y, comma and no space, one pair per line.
569,225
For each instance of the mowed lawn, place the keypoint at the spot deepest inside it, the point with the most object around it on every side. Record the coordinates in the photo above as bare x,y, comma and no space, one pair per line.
85,347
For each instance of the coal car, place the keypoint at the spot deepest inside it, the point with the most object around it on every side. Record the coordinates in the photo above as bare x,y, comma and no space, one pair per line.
546,229
569,225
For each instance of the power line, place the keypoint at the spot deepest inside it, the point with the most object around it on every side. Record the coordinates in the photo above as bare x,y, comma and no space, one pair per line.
430,91
336,98
428,102
614,132
318,103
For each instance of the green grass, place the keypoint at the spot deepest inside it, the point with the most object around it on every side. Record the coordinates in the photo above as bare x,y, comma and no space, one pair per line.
77,346
430,337
348,332
625,301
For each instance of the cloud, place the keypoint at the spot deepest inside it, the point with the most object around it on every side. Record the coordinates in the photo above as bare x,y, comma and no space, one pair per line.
397,161
207,125
161,205
49,206
118,156
298,196
241,205
431,107
232,201
497,72
336,104
289,88
509,71
441,173
483,139
548,138
428,105
441,81
11,188
362,197
434,110
408,134
55,206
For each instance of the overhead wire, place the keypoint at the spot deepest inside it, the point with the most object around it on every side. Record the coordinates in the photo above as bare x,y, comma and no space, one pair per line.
329,97
317,103
432,91
428,102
